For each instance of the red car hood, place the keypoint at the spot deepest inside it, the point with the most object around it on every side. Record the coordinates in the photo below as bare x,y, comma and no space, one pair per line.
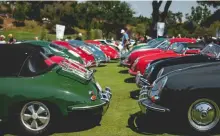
134,55
145,60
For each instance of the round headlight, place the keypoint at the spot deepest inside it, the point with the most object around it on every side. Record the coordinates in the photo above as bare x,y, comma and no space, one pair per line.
160,73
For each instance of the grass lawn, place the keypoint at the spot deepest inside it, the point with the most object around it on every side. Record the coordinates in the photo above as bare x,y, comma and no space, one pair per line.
28,34
117,120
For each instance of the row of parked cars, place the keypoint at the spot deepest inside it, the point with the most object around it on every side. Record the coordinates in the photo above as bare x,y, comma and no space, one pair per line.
42,81
180,77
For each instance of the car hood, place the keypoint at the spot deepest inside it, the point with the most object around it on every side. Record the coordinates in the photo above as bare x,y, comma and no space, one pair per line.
195,77
156,56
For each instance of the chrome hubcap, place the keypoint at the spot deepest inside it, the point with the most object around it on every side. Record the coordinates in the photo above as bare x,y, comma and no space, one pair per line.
203,115
35,116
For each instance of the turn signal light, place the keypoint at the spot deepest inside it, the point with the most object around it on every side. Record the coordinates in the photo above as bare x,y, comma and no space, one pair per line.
154,98
93,98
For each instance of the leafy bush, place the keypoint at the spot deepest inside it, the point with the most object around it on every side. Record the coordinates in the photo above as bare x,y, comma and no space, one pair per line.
19,23
30,24
43,35
1,20
95,34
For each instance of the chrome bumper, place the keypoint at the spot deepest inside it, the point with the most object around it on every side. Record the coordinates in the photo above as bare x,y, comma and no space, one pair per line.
146,104
88,64
140,81
105,96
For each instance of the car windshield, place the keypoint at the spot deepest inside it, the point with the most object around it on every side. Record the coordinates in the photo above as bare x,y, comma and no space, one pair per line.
82,46
37,64
212,50
154,43
103,42
56,47
109,41
164,45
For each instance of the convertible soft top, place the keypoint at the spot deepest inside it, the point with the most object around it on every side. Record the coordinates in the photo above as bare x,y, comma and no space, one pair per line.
12,57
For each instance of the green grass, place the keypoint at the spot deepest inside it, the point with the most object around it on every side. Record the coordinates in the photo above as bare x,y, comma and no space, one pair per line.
115,121
27,34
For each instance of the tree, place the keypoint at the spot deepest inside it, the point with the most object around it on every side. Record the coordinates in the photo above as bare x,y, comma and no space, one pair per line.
198,14
211,19
214,4
21,9
157,16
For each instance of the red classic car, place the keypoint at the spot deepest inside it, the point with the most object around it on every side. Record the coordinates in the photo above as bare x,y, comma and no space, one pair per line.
175,50
62,61
163,48
108,50
87,57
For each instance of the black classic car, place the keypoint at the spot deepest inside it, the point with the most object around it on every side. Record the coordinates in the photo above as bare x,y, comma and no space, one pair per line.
211,53
193,97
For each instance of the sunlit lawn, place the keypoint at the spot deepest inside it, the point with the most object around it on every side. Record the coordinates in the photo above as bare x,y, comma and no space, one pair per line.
117,121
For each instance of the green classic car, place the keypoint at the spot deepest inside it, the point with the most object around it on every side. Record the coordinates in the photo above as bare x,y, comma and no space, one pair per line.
33,92
57,50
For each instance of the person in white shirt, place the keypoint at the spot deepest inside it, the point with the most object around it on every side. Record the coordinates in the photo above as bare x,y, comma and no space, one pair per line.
2,39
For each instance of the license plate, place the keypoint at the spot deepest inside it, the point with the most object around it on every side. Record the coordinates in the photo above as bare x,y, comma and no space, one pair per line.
99,87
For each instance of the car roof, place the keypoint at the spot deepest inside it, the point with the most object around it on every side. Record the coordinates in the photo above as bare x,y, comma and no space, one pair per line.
21,47
78,42
39,43
12,56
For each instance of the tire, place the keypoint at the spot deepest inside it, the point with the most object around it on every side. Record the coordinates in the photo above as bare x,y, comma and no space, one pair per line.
203,115
35,118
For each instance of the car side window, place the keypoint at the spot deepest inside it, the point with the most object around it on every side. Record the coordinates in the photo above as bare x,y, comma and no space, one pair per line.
173,46
11,63
177,47
34,65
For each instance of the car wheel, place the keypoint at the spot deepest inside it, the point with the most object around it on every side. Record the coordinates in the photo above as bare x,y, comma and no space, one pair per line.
203,115
35,118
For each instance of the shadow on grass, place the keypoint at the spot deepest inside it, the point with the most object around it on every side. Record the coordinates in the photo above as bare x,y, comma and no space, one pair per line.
130,80
160,123
135,94
113,61
65,125
102,65
123,71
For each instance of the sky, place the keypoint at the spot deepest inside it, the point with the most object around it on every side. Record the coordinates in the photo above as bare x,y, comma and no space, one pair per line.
144,8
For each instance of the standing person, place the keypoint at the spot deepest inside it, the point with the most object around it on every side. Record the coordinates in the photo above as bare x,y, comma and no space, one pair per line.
137,39
125,40
11,40
36,38
79,37
2,39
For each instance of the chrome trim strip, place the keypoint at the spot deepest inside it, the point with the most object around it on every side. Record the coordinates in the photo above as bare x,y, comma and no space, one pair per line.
156,109
88,107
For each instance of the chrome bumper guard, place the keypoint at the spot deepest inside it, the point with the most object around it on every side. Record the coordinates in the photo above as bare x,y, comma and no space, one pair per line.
106,95
88,64
97,63
140,81
146,104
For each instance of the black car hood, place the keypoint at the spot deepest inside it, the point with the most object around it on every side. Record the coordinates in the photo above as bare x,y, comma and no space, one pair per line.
194,77
176,63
